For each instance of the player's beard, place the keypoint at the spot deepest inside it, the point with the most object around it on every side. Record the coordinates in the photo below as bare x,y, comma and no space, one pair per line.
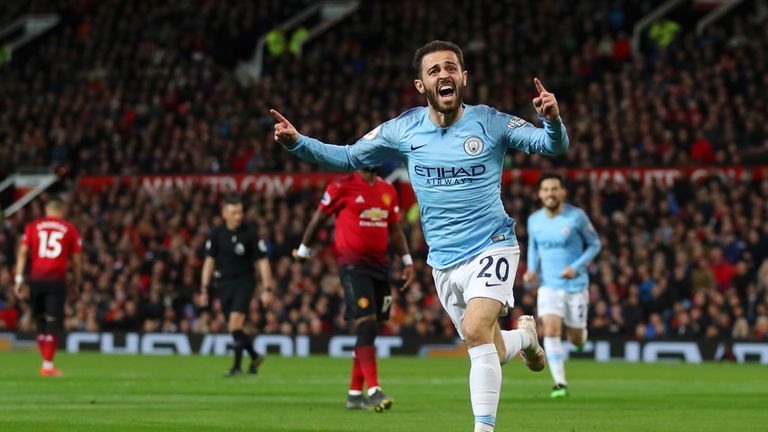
440,106
552,204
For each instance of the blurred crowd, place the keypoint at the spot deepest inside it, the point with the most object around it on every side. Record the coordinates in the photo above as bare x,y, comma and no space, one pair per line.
141,86
684,261
138,86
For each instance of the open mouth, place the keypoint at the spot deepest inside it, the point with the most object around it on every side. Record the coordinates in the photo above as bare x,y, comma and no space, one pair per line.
446,91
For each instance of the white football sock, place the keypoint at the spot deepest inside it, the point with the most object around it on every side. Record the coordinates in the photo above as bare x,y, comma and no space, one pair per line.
553,346
482,427
48,365
484,384
514,341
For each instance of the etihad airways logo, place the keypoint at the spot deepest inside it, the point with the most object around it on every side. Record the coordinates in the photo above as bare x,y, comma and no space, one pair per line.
448,176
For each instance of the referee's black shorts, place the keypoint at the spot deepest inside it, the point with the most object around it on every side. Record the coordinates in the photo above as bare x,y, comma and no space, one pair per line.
48,298
366,291
236,294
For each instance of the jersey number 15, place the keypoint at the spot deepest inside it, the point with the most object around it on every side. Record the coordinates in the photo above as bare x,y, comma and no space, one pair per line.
50,244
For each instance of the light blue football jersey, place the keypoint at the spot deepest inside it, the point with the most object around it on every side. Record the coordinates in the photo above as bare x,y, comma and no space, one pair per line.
567,240
455,172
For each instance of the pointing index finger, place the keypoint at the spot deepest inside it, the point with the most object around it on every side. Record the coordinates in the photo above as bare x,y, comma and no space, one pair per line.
539,87
280,117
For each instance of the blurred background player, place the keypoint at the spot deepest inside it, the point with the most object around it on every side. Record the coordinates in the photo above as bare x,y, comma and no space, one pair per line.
49,242
561,243
235,250
367,219
454,154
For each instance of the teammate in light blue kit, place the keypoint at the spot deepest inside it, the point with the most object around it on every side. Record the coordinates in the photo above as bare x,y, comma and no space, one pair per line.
454,154
561,242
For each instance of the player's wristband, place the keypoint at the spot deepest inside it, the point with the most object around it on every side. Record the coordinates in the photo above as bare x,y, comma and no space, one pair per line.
303,251
407,260
18,279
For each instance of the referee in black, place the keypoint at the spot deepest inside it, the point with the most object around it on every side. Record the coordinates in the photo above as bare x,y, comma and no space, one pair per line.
234,250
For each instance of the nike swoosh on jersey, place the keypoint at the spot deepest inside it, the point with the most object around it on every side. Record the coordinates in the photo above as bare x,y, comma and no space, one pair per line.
417,147
491,285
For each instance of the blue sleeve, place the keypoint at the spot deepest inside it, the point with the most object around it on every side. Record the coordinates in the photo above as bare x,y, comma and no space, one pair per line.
591,240
369,151
533,253
519,134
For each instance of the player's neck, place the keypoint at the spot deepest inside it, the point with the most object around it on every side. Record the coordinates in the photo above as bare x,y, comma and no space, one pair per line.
367,177
232,227
554,212
444,120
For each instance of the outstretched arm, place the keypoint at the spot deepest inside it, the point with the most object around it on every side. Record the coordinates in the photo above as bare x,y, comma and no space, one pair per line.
551,140
369,151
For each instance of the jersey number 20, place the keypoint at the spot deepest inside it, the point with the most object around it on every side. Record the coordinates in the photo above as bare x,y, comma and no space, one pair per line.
502,268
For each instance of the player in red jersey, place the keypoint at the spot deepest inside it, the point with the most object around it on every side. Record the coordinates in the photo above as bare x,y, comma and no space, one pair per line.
367,219
49,242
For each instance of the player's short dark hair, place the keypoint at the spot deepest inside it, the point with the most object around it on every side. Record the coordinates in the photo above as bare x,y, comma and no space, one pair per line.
231,199
548,176
435,46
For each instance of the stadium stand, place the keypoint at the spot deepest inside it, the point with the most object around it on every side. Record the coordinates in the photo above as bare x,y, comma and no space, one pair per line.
157,96
675,262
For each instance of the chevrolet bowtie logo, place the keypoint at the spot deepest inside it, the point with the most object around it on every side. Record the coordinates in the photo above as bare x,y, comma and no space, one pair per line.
374,214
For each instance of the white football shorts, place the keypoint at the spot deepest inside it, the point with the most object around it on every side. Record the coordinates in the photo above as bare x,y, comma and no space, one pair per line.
491,274
570,306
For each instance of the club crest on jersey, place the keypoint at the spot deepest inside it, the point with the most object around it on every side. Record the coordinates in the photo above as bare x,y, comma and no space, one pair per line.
565,231
473,146
386,199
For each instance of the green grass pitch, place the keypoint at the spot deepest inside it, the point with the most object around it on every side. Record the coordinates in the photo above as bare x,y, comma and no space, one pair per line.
145,393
